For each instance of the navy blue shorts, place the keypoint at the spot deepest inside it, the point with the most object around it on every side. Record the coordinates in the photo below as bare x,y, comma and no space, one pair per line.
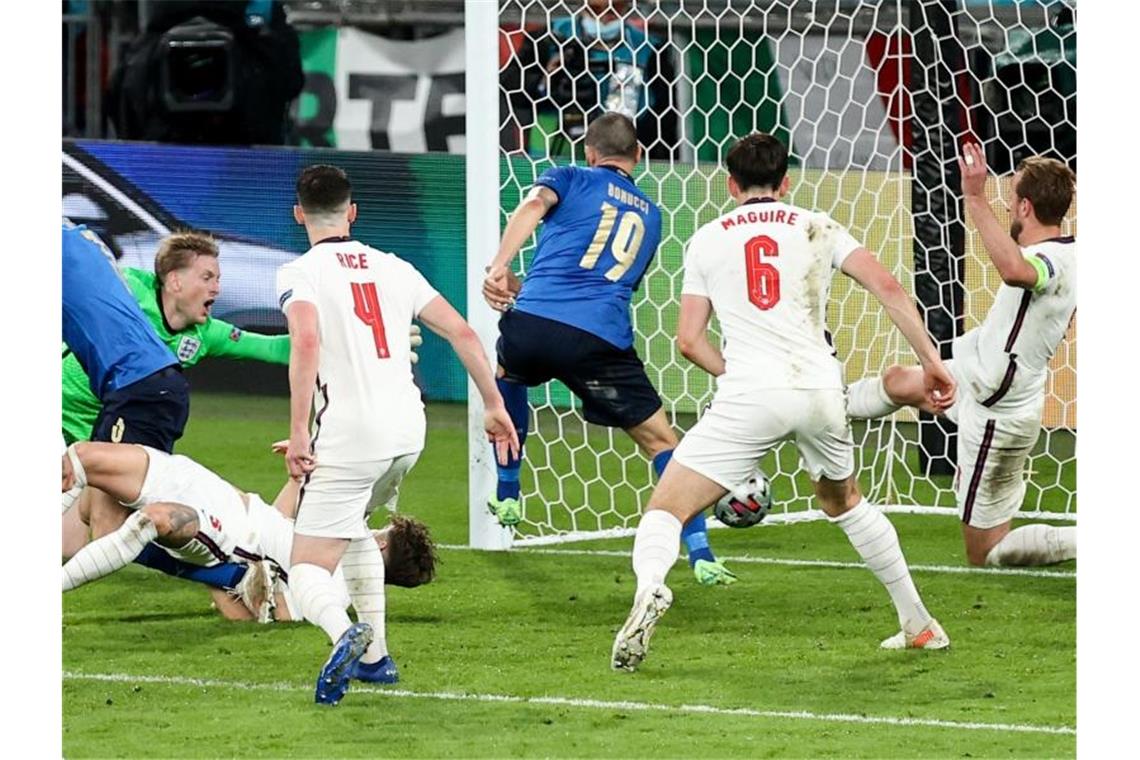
610,381
152,411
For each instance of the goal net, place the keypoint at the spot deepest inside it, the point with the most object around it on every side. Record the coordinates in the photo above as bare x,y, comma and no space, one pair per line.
873,100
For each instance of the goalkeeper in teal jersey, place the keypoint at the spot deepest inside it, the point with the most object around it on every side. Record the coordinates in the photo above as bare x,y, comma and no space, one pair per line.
176,299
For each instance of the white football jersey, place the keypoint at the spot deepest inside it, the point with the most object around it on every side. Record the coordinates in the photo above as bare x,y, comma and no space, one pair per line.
766,267
274,532
1007,356
366,405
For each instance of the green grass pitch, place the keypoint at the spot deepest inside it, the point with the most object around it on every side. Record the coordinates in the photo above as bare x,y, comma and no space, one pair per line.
506,654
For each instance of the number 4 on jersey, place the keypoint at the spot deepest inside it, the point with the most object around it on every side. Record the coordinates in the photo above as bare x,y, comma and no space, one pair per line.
366,304
763,278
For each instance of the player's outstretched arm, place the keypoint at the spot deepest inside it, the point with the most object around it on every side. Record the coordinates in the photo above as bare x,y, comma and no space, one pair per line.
862,266
224,339
523,222
304,360
1002,249
442,319
693,336
227,340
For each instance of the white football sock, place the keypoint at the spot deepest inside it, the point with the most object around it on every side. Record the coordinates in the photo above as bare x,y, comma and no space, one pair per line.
363,567
318,600
867,399
874,537
655,547
1034,545
112,552
70,496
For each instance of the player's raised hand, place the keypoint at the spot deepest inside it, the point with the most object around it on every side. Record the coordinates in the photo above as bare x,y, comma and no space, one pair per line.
938,386
500,287
501,432
299,456
972,165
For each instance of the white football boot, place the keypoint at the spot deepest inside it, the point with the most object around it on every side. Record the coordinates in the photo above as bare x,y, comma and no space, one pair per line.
930,637
632,642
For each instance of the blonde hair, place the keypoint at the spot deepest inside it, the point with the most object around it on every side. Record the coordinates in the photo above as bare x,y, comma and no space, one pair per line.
179,249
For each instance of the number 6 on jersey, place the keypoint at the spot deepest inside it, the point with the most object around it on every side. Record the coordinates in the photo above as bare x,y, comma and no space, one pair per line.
763,278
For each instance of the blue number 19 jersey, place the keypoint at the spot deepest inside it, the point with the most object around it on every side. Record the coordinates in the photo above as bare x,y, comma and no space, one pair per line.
593,249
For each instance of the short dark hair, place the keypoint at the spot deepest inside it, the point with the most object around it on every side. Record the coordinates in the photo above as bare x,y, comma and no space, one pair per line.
612,134
757,161
323,189
411,553
1048,184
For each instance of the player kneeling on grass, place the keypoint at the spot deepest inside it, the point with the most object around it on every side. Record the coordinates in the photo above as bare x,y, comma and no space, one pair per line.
765,269
199,518
1002,366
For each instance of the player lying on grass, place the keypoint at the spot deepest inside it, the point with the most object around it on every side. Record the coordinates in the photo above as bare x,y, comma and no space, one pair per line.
197,517
1002,366
765,268
409,561
571,321
176,300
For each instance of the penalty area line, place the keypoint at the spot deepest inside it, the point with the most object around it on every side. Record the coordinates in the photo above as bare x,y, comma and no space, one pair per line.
598,704
749,559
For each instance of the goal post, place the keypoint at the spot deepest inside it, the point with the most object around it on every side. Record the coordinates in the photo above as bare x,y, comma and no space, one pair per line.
874,100
481,23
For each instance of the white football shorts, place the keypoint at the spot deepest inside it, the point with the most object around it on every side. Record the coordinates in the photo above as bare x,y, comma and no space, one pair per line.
732,436
994,444
225,531
337,498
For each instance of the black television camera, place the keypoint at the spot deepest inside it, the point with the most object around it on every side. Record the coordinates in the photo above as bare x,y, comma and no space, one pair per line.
214,73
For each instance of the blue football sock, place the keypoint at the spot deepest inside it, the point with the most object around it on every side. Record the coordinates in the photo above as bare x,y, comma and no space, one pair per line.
695,534
515,399
224,576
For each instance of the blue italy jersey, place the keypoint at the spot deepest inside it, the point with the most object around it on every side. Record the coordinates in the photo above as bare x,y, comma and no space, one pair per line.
593,249
102,323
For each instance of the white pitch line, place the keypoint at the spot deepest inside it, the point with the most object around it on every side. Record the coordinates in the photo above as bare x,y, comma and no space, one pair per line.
748,559
452,696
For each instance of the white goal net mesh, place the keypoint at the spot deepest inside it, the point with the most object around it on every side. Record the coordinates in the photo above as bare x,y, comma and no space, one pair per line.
845,85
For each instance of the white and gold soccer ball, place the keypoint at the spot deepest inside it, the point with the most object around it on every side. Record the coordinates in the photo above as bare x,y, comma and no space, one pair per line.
747,504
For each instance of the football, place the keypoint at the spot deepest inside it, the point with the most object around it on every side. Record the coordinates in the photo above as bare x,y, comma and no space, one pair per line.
747,504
